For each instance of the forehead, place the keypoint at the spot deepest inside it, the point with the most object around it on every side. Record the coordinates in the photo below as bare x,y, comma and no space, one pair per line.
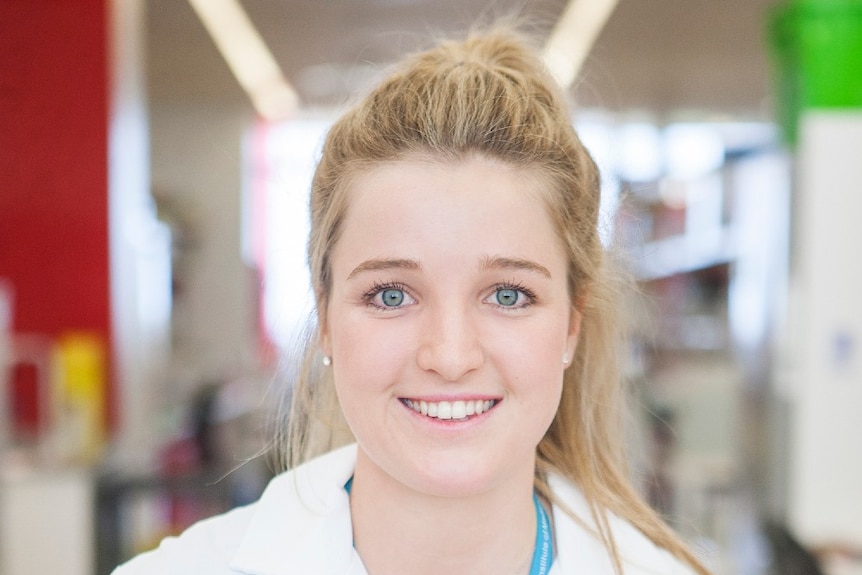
473,172
420,201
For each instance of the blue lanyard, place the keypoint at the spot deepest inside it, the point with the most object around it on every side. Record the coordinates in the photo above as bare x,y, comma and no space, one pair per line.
543,554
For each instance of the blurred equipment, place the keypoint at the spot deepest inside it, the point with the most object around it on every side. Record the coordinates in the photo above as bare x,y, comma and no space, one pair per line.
789,557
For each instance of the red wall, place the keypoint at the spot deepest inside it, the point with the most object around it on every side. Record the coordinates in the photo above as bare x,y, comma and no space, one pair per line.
53,171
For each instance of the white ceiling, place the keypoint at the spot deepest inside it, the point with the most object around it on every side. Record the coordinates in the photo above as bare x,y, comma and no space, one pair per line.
669,58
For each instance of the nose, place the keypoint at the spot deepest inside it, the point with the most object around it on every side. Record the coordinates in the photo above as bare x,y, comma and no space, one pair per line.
449,343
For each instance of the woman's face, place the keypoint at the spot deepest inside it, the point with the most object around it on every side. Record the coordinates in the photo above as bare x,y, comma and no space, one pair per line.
448,323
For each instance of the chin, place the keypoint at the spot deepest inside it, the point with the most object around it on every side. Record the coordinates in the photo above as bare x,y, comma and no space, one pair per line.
457,478
449,486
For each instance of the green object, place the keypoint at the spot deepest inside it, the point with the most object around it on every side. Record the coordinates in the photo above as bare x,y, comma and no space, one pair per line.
817,49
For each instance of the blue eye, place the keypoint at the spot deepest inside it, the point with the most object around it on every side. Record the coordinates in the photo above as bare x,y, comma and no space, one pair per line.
507,297
511,296
392,297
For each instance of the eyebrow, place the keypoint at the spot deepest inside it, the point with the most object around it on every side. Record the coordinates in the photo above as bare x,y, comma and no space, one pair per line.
501,263
488,263
374,265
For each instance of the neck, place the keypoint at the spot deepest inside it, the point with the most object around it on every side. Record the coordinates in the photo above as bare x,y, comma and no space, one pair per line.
400,530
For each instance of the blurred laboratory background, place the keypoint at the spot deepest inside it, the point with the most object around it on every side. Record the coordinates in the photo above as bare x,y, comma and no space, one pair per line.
155,159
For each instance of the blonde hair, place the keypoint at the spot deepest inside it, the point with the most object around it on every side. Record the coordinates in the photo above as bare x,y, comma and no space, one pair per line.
490,95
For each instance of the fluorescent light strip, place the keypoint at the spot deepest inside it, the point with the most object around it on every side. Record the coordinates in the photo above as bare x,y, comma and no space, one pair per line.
248,57
573,37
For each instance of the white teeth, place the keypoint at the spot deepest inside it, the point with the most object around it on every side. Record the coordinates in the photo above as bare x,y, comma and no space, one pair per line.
446,410
459,410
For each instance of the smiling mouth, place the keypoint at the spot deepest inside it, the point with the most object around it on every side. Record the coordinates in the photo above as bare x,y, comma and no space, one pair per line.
450,410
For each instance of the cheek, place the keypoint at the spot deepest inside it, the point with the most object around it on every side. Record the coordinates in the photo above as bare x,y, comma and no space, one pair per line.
368,353
531,364
537,346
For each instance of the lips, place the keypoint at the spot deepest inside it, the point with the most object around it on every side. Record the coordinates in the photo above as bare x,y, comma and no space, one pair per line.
450,410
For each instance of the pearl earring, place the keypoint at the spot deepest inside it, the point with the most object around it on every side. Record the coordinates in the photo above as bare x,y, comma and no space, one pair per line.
565,359
327,361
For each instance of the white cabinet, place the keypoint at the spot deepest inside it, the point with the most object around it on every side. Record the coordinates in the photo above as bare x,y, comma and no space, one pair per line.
46,522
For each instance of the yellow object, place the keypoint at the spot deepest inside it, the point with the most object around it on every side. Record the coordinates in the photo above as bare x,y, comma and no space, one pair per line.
81,374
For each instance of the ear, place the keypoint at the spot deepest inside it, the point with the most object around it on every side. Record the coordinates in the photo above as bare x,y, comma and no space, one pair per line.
574,332
323,341
322,326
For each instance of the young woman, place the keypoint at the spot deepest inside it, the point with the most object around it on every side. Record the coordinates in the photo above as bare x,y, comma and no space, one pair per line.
466,336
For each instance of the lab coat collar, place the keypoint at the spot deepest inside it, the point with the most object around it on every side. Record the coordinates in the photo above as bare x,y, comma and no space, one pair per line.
302,525
302,522
581,549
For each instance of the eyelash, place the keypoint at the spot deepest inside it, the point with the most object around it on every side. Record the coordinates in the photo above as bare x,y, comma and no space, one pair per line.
368,297
519,287
377,288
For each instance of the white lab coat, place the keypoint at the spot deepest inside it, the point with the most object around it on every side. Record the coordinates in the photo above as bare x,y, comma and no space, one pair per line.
301,526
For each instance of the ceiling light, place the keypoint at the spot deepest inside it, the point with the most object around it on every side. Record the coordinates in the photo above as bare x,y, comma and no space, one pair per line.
573,37
248,57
